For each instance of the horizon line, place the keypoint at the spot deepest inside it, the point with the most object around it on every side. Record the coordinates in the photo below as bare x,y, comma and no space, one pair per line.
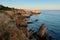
33,8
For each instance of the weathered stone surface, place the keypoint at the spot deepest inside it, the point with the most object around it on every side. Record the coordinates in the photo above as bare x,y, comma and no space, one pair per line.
21,23
20,20
16,34
40,35
8,29
42,30
23,12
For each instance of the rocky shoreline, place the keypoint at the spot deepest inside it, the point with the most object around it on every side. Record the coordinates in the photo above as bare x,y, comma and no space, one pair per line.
13,25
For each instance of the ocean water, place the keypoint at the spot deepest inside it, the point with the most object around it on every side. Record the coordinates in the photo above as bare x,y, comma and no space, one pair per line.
51,18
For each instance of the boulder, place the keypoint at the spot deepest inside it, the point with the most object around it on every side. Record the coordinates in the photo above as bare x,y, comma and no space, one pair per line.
39,35
42,31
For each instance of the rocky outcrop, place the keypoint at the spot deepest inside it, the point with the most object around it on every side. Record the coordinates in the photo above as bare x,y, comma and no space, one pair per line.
40,35
42,30
13,25
23,12
35,11
12,11
8,29
21,23
19,16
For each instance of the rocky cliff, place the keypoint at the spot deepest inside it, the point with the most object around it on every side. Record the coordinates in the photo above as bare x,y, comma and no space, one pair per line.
13,25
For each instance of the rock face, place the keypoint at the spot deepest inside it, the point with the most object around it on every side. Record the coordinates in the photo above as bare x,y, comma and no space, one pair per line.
8,29
42,30
19,16
12,11
21,23
23,12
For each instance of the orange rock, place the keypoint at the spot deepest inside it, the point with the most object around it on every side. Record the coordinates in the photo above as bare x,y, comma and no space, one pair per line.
35,11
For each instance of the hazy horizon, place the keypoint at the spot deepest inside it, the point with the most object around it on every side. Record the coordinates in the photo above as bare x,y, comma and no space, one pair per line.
32,4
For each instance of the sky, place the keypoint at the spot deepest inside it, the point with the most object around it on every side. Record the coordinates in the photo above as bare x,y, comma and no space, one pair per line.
32,4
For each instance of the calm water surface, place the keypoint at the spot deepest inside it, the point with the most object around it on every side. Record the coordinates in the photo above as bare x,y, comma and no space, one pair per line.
52,20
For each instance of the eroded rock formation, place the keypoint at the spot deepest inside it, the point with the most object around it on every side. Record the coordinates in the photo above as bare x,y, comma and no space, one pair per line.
13,25
40,34
35,11
9,30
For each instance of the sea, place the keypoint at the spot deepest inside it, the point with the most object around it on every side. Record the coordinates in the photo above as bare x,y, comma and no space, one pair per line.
51,18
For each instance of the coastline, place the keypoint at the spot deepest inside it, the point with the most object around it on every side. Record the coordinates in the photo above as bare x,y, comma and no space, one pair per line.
18,18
